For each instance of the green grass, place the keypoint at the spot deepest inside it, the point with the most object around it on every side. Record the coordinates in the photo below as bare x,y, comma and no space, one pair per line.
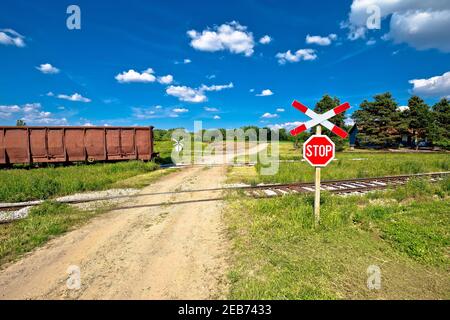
356,165
43,223
44,183
277,254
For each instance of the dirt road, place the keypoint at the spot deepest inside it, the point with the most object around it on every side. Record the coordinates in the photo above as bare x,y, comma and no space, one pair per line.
164,252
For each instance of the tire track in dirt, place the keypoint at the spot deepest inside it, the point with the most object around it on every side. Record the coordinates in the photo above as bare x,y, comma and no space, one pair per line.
165,252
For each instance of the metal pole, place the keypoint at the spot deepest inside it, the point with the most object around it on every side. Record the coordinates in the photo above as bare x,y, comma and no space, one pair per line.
317,189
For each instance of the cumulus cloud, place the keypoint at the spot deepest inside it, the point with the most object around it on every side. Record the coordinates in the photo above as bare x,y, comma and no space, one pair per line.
216,117
265,93
134,76
321,41
217,87
186,94
265,40
9,37
166,79
269,115
74,97
280,110
420,24
180,110
302,54
208,109
47,68
286,125
229,36
143,113
422,30
438,86
31,113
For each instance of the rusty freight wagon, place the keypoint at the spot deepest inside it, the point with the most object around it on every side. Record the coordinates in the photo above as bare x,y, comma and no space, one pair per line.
72,144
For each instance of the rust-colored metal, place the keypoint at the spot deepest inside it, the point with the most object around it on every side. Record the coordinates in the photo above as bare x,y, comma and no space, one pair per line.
73,144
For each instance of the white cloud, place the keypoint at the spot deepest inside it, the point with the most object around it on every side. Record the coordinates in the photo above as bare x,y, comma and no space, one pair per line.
438,86
47,68
208,109
422,30
402,108
216,117
158,107
371,42
265,93
31,113
265,40
143,113
229,36
74,97
134,76
180,110
166,79
50,94
186,94
10,37
421,24
349,121
321,41
217,87
286,125
302,54
280,110
187,61
269,115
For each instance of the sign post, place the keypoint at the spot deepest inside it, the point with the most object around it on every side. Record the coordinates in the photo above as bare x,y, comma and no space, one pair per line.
317,188
319,150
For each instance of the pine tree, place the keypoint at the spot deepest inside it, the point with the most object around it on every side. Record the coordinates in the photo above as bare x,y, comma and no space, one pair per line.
328,103
439,131
379,122
418,117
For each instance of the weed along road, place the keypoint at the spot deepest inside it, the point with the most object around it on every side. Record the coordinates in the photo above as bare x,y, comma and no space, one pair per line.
163,252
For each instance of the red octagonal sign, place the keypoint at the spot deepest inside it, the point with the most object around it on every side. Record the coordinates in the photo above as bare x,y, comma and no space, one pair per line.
319,150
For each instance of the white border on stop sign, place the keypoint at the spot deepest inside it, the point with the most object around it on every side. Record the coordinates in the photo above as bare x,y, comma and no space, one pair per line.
329,140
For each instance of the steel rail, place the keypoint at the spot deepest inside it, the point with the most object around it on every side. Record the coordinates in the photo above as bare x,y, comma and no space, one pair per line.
333,186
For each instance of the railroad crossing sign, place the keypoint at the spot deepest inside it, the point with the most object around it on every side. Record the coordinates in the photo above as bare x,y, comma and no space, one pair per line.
322,119
319,151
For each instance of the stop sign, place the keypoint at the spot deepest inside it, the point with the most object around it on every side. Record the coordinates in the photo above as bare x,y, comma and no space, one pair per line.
319,150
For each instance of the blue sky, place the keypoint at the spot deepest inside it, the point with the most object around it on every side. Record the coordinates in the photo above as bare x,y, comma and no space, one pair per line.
168,63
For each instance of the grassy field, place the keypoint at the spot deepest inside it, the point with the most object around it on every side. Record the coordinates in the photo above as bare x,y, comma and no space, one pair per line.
42,224
45,183
347,165
277,254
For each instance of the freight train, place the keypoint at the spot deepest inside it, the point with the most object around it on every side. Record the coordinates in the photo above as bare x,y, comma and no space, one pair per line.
36,145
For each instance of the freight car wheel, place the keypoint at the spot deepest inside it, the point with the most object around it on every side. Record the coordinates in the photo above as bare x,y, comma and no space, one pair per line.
90,160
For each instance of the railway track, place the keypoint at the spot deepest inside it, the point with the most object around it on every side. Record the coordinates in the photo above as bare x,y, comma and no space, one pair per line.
347,186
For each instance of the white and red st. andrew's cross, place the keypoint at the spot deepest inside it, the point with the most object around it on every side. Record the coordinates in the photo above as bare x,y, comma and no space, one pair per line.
322,119
319,150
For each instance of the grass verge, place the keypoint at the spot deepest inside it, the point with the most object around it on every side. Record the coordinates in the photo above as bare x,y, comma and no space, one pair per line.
42,224
44,183
405,232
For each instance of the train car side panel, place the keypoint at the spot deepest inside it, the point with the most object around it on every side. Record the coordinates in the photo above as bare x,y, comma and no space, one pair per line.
95,144
75,145
17,145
